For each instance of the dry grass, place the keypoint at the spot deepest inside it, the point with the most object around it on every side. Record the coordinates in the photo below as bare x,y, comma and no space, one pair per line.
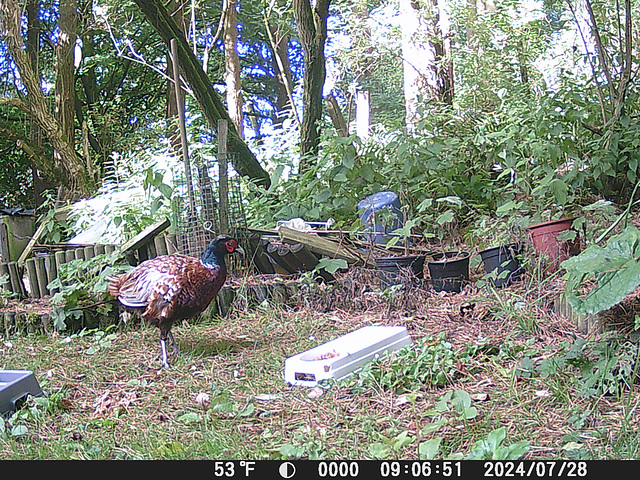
116,403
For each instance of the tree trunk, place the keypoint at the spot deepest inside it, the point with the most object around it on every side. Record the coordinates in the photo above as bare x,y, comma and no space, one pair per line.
213,109
40,185
70,171
426,74
279,41
232,66
311,23
65,69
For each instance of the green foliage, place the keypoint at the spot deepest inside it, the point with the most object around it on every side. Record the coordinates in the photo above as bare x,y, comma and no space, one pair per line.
81,284
606,367
492,448
431,362
615,267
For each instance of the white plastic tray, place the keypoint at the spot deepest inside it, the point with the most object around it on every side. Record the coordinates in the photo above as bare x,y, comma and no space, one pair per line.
344,355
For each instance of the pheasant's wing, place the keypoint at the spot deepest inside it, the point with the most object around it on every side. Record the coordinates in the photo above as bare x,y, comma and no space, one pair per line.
154,285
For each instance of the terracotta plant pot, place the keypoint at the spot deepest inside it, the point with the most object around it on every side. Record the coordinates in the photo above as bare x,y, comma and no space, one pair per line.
544,237
394,269
449,271
502,259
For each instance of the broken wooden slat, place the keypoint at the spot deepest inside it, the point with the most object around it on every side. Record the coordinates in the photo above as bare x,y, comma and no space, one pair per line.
326,247
145,235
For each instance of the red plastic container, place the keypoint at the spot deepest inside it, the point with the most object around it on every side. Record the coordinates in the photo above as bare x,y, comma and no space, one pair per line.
544,237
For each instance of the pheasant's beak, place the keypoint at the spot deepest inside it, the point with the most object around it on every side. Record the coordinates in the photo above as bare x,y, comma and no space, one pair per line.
239,250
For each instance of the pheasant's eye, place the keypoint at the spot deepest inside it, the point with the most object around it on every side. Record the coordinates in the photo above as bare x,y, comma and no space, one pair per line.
231,245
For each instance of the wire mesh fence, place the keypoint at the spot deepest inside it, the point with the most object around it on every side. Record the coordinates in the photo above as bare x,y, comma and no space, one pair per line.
197,208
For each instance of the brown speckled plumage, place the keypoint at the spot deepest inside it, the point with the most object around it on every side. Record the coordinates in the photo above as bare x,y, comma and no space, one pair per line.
170,288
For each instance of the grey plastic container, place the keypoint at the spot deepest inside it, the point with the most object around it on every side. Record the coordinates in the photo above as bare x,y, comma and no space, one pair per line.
15,387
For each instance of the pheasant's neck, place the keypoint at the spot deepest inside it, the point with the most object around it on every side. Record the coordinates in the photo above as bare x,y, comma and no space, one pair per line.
212,263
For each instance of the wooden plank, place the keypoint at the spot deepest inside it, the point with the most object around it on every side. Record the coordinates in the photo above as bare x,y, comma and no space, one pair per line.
60,213
145,235
326,247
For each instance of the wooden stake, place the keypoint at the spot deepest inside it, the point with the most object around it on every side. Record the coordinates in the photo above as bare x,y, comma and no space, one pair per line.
223,185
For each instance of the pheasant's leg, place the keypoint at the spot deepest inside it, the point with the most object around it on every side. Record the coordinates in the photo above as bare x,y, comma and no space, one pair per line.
174,346
163,348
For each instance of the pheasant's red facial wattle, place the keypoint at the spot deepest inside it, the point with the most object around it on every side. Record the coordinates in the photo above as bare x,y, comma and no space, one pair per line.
231,245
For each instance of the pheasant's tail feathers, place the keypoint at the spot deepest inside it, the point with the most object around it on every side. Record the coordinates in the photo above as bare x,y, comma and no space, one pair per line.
113,287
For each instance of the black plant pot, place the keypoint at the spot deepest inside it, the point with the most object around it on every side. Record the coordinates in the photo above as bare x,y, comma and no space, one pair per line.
393,270
502,259
449,271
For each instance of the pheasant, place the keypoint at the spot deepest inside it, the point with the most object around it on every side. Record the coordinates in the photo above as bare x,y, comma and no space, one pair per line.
170,288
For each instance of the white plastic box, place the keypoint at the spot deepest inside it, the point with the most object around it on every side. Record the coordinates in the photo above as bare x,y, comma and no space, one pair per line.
344,355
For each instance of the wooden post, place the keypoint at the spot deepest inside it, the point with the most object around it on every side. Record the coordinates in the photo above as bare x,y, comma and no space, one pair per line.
69,255
99,249
172,243
223,185
192,216
4,270
109,248
89,252
160,242
52,270
32,276
151,249
60,260
16,279
78,253
41,272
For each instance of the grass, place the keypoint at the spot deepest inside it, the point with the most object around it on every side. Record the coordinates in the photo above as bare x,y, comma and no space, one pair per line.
515,376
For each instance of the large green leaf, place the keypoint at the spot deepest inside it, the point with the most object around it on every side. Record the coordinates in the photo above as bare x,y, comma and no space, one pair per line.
616,268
